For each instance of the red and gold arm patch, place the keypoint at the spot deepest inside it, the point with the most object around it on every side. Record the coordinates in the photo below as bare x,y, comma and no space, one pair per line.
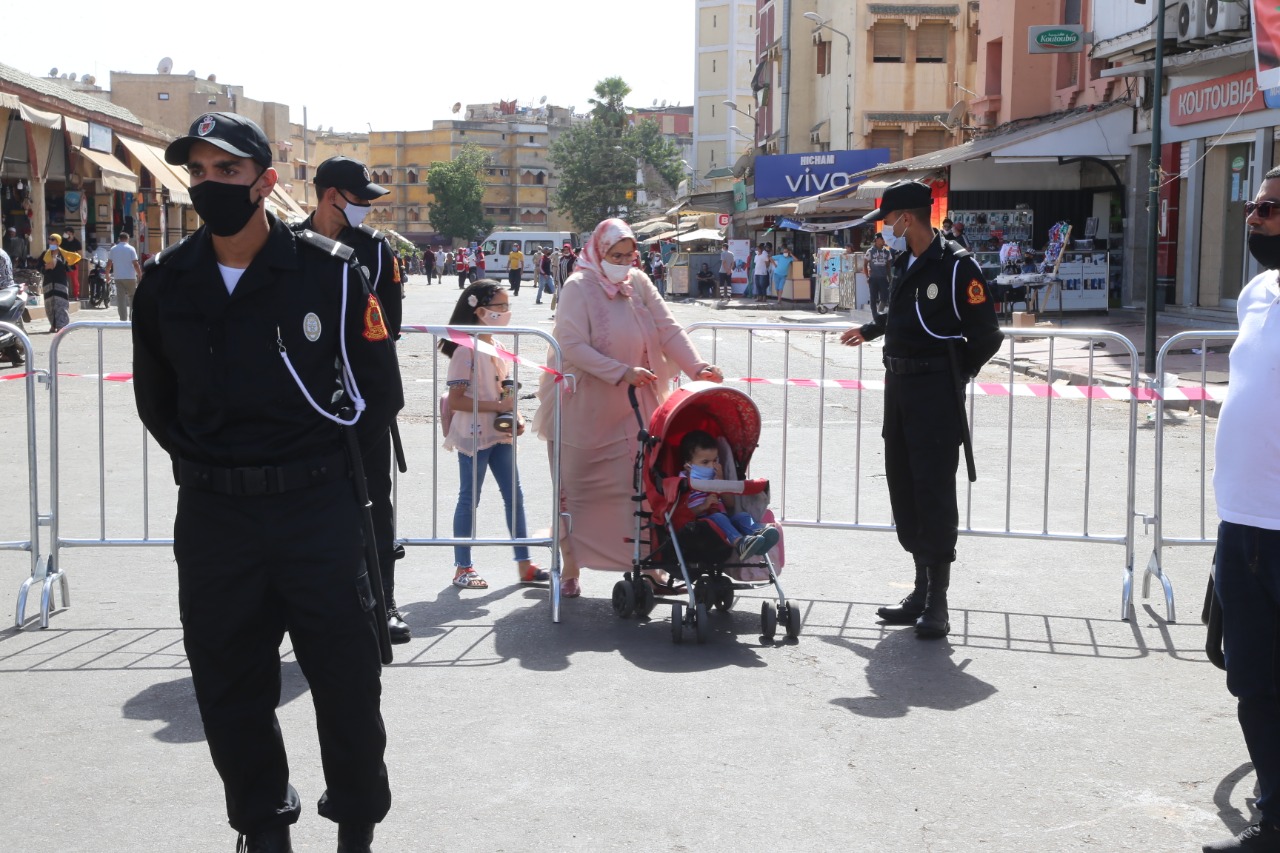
977,292
374,328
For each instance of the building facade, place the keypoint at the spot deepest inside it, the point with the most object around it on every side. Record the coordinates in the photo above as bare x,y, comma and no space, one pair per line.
725,62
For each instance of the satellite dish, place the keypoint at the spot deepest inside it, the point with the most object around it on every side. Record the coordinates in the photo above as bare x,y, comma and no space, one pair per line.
655,102
542,100
71,75
90,79
457,106
53,72
191,73
955,118
330,128
743,165
664,103
84,78
165,66
212,78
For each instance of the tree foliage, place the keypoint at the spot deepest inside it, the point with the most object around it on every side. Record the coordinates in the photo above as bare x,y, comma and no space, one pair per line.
457,187
597,161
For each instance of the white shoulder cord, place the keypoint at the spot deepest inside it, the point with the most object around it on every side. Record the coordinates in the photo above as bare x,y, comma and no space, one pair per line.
348,378
954,270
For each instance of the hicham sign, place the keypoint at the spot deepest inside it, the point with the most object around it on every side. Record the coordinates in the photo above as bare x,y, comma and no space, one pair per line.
1217,98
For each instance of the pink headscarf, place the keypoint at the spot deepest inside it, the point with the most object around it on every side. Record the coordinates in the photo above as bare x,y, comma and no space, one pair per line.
607,235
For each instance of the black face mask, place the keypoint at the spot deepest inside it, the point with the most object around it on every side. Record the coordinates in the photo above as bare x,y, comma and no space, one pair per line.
1265,250
225,208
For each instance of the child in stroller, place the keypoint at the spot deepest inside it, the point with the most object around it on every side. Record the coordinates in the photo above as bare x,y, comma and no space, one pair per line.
748,536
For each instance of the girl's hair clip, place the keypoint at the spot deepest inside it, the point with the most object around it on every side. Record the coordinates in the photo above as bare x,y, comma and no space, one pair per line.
472,301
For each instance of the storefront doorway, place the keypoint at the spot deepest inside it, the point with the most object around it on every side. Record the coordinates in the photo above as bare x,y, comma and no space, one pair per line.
1238,170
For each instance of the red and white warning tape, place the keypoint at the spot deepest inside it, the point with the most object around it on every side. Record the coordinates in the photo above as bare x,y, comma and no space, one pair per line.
464,340
1216,393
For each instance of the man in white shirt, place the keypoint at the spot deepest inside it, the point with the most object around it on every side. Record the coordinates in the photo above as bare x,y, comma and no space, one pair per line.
760,271
122,264
726,272
1246,483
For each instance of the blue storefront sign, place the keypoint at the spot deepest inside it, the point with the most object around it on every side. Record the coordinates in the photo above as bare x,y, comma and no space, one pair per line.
791,175
1271,97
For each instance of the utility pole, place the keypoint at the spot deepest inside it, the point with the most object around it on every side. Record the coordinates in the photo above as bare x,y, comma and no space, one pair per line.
1153,198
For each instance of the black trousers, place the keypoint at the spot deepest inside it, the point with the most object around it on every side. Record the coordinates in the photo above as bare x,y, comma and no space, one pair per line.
513,278
377,475
921,451
250,568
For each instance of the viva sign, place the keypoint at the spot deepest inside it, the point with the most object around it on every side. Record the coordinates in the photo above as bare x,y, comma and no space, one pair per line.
792,175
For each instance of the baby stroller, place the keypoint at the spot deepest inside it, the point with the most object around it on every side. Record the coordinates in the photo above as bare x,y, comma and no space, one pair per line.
695,554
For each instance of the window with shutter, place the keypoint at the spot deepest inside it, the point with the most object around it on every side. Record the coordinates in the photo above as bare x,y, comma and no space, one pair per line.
823,54
931,42
928,141
889,41
891,139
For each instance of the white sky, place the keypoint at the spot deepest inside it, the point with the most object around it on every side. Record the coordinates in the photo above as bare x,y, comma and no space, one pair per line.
392,64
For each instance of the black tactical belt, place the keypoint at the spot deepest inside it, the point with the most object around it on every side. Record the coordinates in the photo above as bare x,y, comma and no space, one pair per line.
265,480
902,366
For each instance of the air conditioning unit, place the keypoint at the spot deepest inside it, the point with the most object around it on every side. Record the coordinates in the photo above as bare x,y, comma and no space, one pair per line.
1225,16
1190,20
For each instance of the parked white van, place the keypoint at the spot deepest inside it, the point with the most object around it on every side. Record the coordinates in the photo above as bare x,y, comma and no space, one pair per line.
499,245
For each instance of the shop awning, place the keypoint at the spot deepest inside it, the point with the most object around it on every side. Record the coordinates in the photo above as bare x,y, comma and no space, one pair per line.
78,128
1101,132
115,175
710,234
286,207
169,177
31,115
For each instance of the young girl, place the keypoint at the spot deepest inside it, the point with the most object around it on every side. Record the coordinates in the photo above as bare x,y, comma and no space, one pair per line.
480,443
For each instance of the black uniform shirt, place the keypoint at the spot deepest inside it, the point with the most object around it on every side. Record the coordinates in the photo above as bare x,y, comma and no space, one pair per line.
384,273
946,286
209,381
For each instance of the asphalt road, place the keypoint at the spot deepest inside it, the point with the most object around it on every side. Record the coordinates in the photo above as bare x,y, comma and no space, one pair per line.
1042,723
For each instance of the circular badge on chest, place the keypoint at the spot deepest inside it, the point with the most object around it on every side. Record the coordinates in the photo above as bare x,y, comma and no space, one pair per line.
932,292
311,327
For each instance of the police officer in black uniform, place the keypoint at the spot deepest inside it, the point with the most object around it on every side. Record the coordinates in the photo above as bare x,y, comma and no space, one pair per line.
249,341
344,191
939,330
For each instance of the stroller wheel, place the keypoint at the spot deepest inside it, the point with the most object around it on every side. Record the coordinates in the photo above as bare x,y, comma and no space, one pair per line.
701,625
702,591
677,623
724,594
624,599
646,600
793,620
768,621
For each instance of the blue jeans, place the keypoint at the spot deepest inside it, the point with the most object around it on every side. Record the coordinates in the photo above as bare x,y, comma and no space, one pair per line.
762,285
1247,582
544,284
497,459
734,527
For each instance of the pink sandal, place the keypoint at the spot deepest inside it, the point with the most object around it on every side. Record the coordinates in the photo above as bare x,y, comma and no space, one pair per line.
570,588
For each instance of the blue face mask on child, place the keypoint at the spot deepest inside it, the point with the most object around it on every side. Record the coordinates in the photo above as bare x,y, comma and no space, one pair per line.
701,472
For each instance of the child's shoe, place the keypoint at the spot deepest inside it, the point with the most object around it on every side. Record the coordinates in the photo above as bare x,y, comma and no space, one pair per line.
466,578
529,573
749,546
770,535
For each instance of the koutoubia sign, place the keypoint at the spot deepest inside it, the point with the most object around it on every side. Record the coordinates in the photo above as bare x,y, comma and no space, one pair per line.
1060,38
1217,98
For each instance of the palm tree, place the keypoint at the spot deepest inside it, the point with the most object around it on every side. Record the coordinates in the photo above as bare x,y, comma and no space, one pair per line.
609,104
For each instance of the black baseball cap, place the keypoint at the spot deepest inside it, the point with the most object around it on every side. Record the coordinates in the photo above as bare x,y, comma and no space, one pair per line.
233,133
902,195
351,175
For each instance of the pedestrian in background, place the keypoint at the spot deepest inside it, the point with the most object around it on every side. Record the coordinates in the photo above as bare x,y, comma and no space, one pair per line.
726,273
760,274
1246,485
268,535
546,283
58,264
16,246
462,266
429,261
515,269
564,268
939,330
72,244
876,264
122,263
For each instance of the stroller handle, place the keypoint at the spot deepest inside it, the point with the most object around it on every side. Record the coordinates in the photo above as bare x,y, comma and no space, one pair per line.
635,405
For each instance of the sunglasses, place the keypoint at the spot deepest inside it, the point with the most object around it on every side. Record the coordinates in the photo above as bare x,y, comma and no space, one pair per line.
1264,209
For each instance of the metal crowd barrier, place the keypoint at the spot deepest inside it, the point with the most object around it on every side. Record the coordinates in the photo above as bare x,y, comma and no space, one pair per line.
42,571
1019,495
1204,523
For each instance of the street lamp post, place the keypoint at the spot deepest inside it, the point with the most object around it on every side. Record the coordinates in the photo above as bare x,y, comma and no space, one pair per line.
821,24
1153,198
733,105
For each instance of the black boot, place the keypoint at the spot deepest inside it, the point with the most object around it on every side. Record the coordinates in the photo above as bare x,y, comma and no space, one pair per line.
396,627
355,837
274,840
1262,837
933,621
909,609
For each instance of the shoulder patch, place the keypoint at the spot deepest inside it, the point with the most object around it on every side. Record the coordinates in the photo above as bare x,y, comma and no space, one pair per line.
977,292
165,254
366,228
374,327
324,244
957,250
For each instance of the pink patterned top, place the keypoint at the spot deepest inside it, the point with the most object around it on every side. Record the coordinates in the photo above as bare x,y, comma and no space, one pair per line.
472,431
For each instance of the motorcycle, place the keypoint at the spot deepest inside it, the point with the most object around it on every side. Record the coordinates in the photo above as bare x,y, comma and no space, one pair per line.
13,303
99,292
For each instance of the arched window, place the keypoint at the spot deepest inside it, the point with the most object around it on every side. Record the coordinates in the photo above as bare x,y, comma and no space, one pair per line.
412,176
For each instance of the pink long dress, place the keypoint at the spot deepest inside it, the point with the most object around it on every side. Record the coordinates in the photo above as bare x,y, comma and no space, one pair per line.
601,337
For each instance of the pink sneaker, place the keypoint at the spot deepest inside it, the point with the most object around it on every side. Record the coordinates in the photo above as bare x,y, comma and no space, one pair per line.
570,588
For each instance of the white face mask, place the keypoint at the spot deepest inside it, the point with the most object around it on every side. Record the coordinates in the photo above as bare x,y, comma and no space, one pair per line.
616,273
355,213
894,240
495,318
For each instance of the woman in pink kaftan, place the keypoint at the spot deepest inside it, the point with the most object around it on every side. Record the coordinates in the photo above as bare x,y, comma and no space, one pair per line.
614,331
